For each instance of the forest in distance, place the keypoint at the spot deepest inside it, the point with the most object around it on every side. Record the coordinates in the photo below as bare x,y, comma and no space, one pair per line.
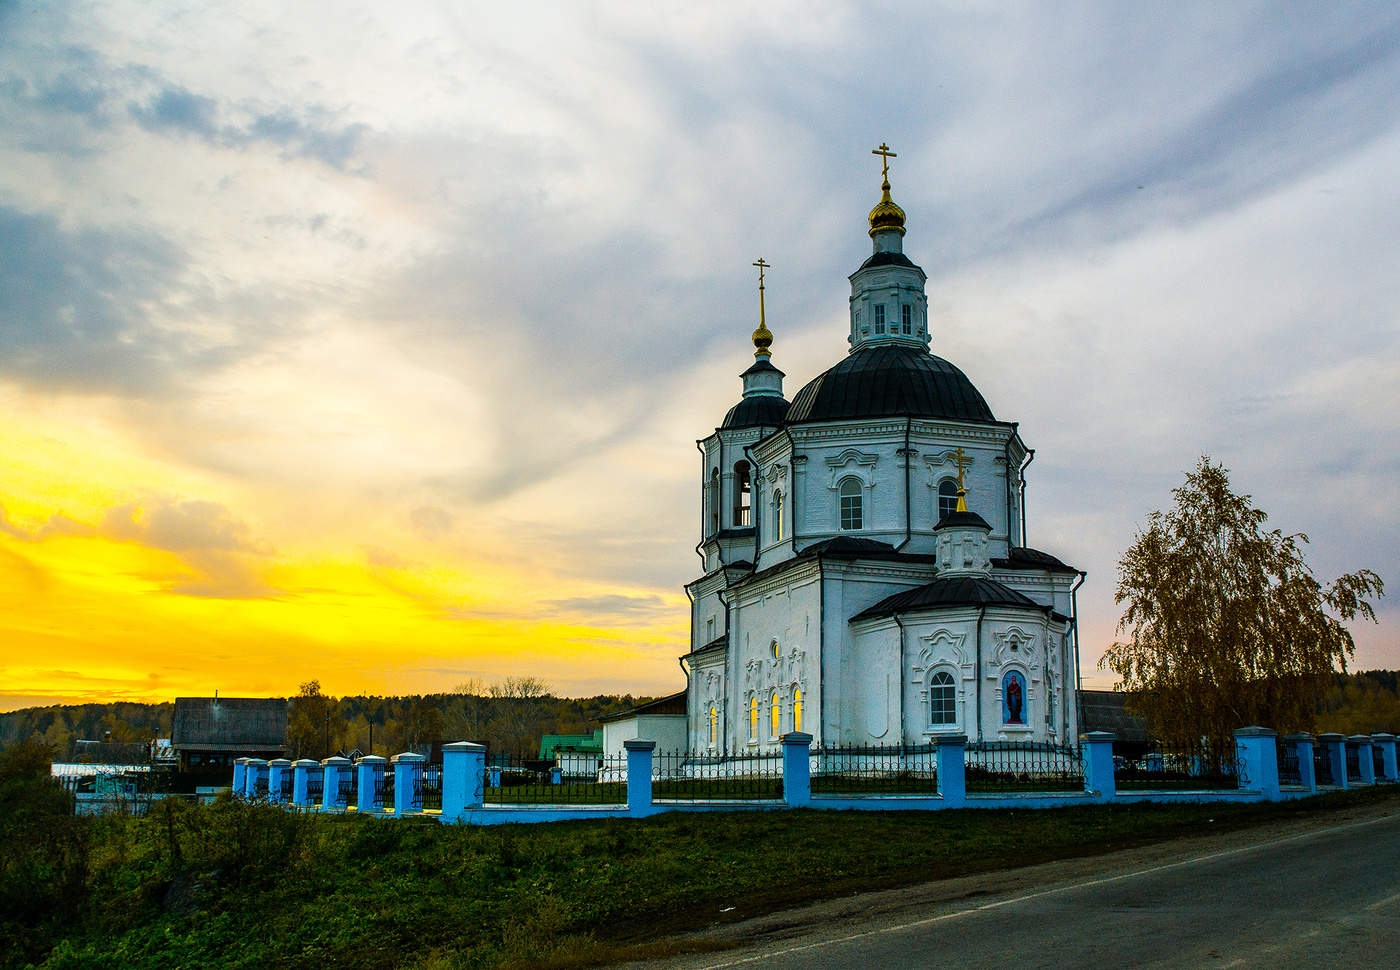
509,717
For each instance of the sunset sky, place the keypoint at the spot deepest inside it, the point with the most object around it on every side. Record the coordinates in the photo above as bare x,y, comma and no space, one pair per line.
370,342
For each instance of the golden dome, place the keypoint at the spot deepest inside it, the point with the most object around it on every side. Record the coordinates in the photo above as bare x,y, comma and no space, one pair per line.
886,215
762,339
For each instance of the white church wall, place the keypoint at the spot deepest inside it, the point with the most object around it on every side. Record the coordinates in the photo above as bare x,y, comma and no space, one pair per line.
948,646
774,649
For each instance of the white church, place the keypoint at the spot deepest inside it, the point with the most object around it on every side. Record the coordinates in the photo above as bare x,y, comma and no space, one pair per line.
866,578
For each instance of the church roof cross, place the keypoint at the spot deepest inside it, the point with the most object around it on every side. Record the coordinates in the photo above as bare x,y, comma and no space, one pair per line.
762,337
960,457
885,155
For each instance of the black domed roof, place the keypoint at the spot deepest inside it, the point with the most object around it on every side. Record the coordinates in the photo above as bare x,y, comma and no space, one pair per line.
762,410
890,381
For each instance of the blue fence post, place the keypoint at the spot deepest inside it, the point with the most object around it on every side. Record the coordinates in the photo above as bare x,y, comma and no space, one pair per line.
952,768
301,778
240,772
408,783
797,769
1334,747
331,770
371,769
1097,752
463,770
1390,771
1303,744
255,779
277,770
639,757
1256,749
1366,768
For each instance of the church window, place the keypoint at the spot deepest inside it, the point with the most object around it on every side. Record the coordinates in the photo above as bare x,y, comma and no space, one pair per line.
774,650
879,318
775,716
942,699
714,726
947,497
852,512
753,718
907,319
709,630
777,515
797,708
712,501
742,493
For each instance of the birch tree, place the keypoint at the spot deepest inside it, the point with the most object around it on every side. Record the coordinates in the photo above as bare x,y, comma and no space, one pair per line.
1225,626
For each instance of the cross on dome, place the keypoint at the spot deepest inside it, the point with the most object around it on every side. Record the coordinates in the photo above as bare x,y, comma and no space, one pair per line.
762,337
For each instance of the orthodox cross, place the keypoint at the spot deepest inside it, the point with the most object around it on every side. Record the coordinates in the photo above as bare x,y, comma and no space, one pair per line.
761,267
885,155
960,457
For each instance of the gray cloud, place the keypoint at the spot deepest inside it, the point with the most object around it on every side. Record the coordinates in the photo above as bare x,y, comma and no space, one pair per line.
73,306
205,535
310,131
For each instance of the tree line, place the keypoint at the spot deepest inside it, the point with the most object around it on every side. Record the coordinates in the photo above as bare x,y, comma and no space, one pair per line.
510,716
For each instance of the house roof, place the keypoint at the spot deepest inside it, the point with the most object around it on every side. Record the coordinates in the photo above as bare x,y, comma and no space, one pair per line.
1106,710
672,704
229,723
577,743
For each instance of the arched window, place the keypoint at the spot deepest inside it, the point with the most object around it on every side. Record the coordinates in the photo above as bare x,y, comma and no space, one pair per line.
774,650
852,512
947,496
714,726
775,716
797,708
753,718
712,501
942,699
777,515
742,493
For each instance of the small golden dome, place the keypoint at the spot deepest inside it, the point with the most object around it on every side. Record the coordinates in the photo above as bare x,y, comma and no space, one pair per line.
886,215
762,339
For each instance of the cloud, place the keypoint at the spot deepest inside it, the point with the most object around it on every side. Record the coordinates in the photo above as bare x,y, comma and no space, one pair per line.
203,534
75,307
309,131
430,520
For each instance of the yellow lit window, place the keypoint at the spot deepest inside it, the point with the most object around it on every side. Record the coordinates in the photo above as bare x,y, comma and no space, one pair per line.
714,726
775,715
753,718
797,709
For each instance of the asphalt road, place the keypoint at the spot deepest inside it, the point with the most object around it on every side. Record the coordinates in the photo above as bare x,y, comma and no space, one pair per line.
1317,898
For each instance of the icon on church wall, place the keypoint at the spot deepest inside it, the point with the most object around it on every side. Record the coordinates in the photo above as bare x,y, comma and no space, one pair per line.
1013,699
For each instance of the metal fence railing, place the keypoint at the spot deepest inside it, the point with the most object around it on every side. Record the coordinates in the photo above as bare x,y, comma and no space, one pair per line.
1290,772
717,775
1016,766
1322,766
1353,756
1377,762
515,780
1191,768
384,789
432,788
348,787
315,786
896,769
